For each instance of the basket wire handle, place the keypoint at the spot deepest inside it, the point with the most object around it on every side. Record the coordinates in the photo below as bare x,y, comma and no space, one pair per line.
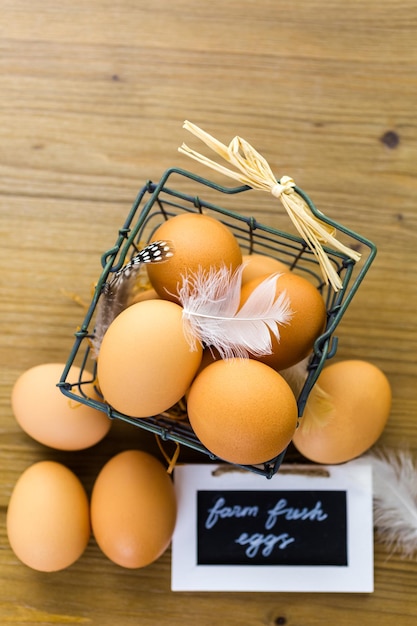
255,172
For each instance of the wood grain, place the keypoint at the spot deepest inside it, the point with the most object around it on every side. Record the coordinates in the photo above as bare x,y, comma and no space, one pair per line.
93,99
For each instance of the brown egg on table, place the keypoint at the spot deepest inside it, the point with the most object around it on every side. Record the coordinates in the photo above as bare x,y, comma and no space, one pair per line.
242,411
345,412
199,241
145,364
48,517
257,265
133,509
50,417
308,320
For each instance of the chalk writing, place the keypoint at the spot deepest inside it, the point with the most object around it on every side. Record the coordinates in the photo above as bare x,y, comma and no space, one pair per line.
220,511
270,527
316,513
255,541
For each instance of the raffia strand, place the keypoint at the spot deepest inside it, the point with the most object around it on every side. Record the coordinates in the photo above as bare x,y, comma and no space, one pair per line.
252,169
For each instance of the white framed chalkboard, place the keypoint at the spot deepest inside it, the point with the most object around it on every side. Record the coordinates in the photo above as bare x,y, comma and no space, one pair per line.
307,529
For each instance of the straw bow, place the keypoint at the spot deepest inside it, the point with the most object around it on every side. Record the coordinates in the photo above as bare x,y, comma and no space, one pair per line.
254,171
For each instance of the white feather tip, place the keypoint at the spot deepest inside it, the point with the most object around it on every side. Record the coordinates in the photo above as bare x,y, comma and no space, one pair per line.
213,316
395,500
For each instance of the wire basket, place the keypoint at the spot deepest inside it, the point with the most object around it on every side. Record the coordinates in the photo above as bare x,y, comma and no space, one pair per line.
157,202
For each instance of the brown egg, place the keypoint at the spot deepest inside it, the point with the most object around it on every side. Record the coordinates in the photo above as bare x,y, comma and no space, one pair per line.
345,413
48,518
209,356
242,411
147,294
133,509
145,364
50,417
199,241
257,265
297,337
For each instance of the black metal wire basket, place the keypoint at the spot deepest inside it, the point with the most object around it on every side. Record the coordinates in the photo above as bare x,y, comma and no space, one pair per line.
157,202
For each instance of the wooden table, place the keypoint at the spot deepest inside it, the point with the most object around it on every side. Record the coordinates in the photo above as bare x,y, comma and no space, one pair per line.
93,96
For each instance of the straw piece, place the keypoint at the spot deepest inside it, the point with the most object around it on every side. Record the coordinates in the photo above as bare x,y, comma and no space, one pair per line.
171,461
255,172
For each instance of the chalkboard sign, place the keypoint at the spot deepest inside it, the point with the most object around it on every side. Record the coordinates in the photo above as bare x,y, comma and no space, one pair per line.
306,529
271,528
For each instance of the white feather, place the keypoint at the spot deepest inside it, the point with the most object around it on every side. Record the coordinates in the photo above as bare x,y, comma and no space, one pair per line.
211,314
395,499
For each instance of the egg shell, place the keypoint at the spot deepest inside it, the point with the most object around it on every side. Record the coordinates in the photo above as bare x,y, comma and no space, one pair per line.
354,415
242,411
210,355
308,321
48,520
145,363
133,509
147,294
199,241
257,265
50,417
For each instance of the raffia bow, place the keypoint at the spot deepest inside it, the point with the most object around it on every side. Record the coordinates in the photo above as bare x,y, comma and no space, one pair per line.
254,171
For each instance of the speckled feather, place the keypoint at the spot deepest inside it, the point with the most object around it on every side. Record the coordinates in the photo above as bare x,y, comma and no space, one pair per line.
115,293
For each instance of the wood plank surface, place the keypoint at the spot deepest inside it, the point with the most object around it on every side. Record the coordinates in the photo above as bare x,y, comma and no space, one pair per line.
93,96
